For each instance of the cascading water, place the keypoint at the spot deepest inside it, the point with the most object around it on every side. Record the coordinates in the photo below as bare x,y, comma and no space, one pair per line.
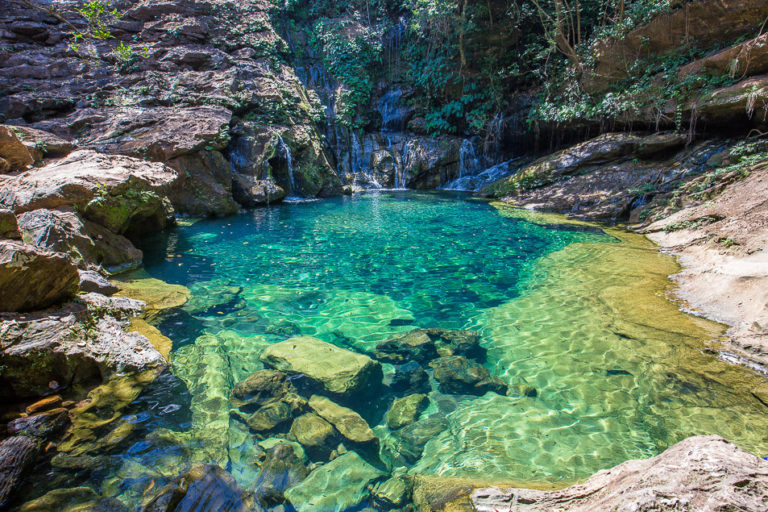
469,163
286,152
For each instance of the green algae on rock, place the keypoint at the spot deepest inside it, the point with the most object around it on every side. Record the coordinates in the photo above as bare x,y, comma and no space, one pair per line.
158,295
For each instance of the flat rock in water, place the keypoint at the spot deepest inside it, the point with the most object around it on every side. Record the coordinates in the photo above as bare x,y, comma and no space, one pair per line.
339,485
338,371
702,474
350,424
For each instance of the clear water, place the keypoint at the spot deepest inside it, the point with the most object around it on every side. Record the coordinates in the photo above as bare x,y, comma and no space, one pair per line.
573,311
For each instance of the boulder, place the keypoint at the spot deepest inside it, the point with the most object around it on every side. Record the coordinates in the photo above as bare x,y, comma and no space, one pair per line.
91,281
281,470
255,192
205,187
86,242
315,434
204,487
349,424
41,144
71,346
704,473
266,400
406,410
126,195
409,378
34,278
459,375
424,345
339,485
338,371
9,227
411,439
41,427
14,155
16,456
74,499
392,493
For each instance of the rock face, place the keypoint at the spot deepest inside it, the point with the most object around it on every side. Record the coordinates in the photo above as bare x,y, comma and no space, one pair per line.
14,155
337,371
71,346
123,194
702,474
16,456
33,278
42,144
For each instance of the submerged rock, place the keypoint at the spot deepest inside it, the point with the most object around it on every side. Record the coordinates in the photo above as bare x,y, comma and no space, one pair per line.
409,378
204,487
339,485
459,375
315,434
41,427
406,410
158,295
412,438
393,492
76,499
337,371
33,278
349,424
424,345
281,469
704,473
266,400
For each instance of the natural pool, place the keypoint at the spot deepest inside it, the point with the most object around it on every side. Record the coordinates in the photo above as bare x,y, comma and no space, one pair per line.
572,311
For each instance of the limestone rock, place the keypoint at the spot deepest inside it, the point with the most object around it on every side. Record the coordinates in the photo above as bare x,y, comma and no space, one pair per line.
70,346
41,144
349,424
337,371
9,227
406,410
704,473
459,375
91,281
33,278
86,242
204,487
339,485
14,155
124,194
16,456
281,470
314,433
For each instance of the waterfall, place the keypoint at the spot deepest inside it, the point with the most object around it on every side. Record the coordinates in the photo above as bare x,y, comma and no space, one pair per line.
469,163
286,152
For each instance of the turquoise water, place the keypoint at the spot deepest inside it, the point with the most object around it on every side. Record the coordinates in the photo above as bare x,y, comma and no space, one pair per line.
567,309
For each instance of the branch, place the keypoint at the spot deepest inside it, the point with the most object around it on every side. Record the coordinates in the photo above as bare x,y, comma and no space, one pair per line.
51,11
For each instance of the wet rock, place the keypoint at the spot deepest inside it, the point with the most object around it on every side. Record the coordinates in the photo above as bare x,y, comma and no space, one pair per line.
349,424
270,416
338,485
459,375
34,278
412,438
394,492
16,456
423,345
259,389
86,242
406,410
125,195
522,389
253,192
205,187
51,402
91,281
204,487
67,347
337,371
14,156
159,297
315,434
704,473
42,427
76,499
409,378
415,345
162,343
9,227
281,470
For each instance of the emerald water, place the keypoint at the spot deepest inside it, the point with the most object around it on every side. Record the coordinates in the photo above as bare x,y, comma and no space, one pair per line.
575,312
